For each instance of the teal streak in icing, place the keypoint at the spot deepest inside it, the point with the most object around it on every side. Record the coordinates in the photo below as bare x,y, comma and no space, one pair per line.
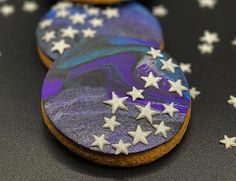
96,54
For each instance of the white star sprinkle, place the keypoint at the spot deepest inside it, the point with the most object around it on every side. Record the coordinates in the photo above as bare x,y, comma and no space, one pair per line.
60,46
136,93
161,129
194,92
155,53
210,37
121,147
45,23
111,13
146,112
206,48
186,67
48,36
116,103
140,136
99,141
89,33
232,101
170,109
207,3
111,123
233,42
93,11
7,10
96,22
69,32
30,6
151,80
228,142
168,65
62,13
159,11
78,18
177,87
62,5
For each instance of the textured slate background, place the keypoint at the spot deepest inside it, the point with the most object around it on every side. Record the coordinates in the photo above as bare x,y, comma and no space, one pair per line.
29,152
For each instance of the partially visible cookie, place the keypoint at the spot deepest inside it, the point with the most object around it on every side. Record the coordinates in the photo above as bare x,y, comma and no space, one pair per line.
117,101
67,25
100,1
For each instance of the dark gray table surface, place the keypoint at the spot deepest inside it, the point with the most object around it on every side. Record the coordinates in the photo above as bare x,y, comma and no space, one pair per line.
29,152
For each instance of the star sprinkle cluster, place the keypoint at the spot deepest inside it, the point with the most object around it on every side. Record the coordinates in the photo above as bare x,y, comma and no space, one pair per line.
145,112
77,21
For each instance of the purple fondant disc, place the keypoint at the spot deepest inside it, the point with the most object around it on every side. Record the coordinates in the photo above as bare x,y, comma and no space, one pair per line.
116,95
67,25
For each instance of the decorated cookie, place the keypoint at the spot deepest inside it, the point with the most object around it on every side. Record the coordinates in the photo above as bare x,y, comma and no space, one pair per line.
67,25
99,1
117,101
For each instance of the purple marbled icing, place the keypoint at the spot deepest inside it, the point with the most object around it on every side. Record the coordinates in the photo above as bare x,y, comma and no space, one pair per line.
134,21
89,77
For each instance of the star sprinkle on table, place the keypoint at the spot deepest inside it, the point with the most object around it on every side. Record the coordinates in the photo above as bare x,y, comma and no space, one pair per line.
159,11
206,48
186,67
210,37
29,6
194,92
7,10
232,101
207,3
228,142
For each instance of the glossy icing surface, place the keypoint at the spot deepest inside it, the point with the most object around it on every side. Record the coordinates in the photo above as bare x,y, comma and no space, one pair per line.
129,20
77,85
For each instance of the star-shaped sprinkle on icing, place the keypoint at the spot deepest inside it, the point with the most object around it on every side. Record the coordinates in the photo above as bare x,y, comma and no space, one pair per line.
228,142
232,101
139,135
177,87
62,5
185,67
206,48
161,129
78,18
111,13
96,22
146,112
89,33
45,23
60,46
7,10
207,3
62,13
99,141
30,6
69,32
49,35
121,147
210,37
111,123
136,94
116,103
168,65
151,80
159,11
155,53
170,109
93,11
194,92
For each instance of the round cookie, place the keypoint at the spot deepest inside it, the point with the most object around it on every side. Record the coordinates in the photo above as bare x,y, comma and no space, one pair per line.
67,25
118,102
99,1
